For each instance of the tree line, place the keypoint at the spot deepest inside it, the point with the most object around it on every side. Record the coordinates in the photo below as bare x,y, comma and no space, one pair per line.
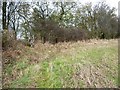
57,21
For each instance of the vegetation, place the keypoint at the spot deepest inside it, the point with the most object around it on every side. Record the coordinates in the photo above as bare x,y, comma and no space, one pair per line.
76,65
59,44
59,21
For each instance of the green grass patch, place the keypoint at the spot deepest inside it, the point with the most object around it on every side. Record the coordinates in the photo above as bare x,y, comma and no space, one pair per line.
21,82
59,69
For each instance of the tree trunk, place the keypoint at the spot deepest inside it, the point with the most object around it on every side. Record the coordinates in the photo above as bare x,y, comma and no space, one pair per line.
4,15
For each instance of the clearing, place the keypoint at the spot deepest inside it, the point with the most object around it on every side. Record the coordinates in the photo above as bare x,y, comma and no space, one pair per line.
79,64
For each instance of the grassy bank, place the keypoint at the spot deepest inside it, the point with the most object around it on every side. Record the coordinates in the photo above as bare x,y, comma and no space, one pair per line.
80,64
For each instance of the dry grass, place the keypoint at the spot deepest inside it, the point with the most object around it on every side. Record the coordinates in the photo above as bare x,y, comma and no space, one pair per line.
80,64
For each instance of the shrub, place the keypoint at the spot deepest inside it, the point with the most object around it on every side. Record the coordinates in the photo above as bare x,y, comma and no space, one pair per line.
8,40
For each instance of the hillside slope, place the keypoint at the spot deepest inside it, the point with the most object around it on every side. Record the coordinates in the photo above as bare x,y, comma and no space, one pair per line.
80,64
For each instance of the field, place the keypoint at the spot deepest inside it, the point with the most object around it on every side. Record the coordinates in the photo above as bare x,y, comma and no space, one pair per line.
81,64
